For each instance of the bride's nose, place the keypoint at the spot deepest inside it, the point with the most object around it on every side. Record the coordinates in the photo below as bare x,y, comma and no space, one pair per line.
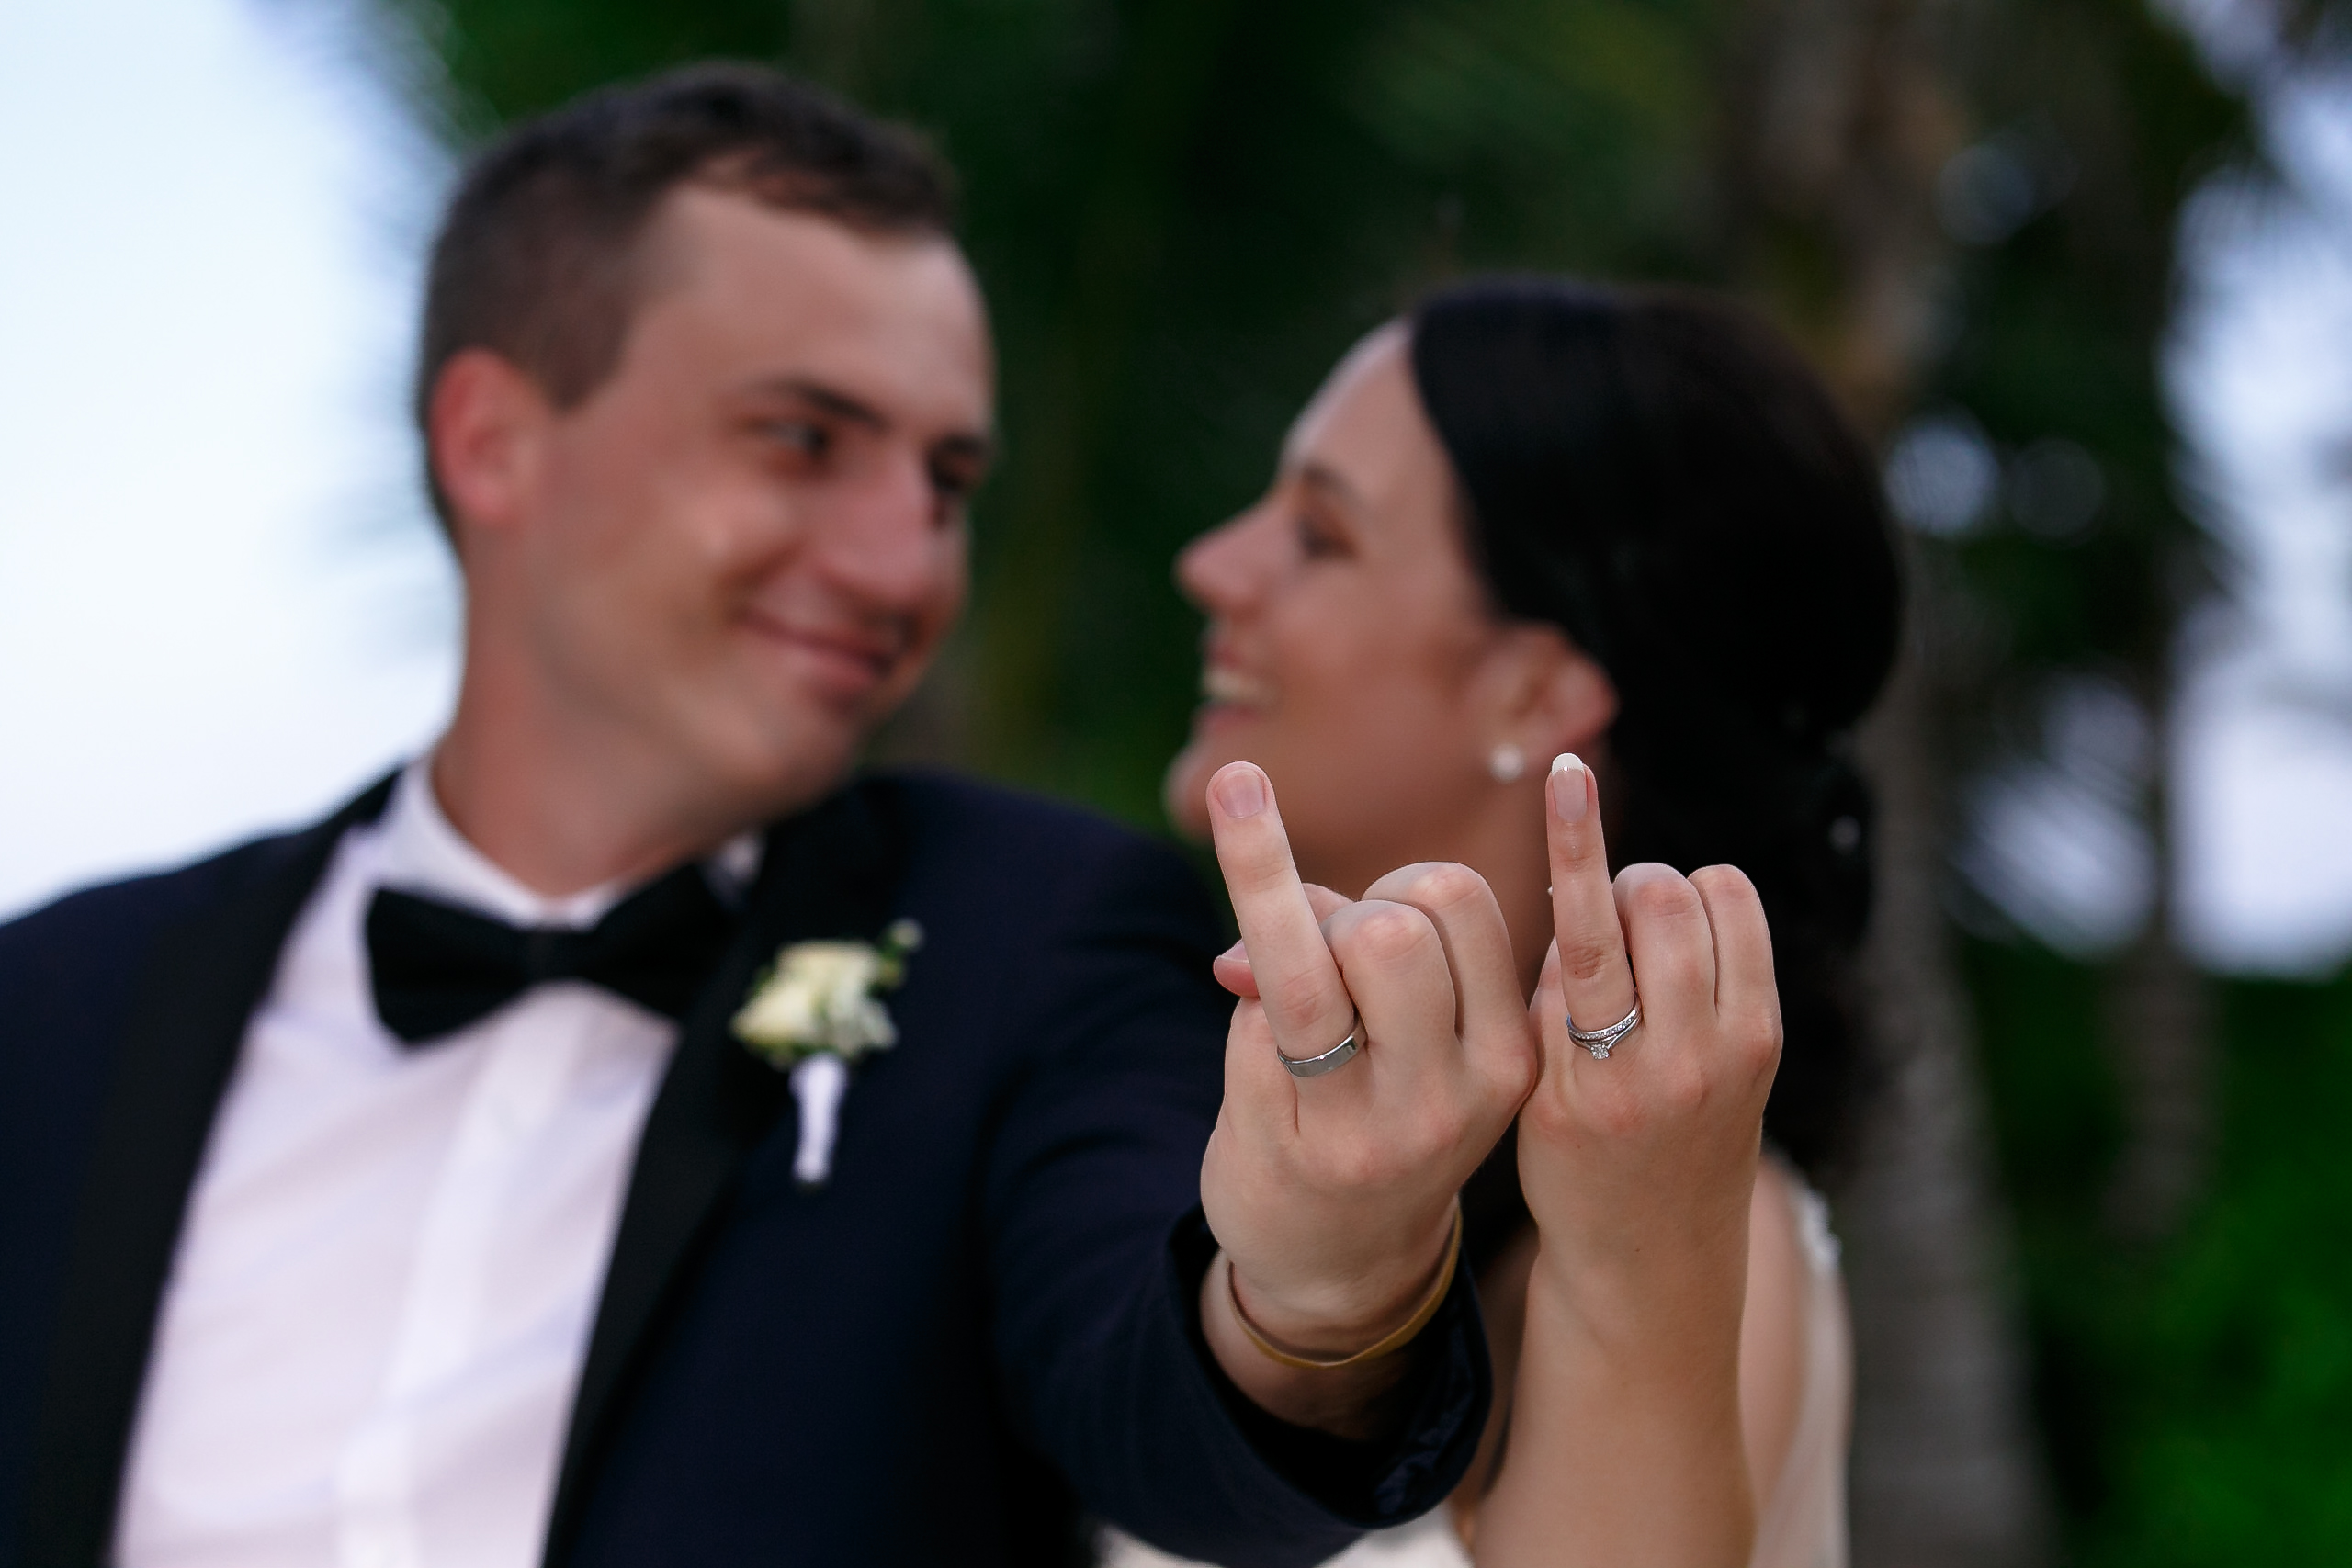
1220,571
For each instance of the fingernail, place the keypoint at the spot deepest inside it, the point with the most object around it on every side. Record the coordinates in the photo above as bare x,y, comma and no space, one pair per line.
1239,952
1567,787
1242,792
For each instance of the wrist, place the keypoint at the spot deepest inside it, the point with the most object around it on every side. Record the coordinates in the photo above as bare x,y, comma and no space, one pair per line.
1340,1313
1299,1354
1665,1326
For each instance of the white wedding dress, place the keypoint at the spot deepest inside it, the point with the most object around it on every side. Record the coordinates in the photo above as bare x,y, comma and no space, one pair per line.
1803,1522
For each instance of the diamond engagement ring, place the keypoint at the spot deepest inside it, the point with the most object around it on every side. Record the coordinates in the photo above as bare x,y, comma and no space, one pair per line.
1337,1056
1600,1042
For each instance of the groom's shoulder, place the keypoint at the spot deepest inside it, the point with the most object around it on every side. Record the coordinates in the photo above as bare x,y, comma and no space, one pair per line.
78,938
75,947
1048,856
69,975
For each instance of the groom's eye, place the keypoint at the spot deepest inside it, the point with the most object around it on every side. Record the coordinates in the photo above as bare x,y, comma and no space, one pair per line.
801,438
952,485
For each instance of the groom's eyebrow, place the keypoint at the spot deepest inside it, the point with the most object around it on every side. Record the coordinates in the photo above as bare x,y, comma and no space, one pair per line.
833,400
977,446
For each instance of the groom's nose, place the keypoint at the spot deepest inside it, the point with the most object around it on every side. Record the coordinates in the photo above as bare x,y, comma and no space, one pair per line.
886,540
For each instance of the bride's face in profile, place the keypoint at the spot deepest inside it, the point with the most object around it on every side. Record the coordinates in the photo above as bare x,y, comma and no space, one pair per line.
1350,651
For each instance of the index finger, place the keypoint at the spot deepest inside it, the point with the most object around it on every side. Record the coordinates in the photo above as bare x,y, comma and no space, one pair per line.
1307,1003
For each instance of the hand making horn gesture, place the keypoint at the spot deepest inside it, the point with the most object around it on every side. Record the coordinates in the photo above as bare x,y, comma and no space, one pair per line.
1380,1049
1637,1152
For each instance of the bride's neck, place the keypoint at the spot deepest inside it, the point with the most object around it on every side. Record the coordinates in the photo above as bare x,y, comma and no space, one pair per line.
1514,861
1502,842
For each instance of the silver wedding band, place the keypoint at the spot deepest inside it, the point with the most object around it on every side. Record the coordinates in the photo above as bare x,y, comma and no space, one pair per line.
1600,1042
1337,1056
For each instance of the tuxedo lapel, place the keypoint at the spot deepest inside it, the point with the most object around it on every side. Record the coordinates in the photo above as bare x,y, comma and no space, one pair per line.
833,872
193,998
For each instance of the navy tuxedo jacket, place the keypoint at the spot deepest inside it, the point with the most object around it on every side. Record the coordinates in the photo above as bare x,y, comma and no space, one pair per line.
980,1331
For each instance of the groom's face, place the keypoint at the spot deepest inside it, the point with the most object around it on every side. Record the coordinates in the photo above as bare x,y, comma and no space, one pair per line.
750,540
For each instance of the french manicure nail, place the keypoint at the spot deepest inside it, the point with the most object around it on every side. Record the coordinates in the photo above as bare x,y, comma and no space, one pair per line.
1242,792
1567,787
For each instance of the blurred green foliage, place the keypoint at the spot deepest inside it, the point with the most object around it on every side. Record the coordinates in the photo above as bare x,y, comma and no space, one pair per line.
2058,327
2195,1393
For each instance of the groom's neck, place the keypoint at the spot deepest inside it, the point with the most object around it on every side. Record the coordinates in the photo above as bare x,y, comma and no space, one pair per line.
563,801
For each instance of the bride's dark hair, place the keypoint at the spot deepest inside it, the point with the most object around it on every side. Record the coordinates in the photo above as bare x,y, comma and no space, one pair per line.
1661,476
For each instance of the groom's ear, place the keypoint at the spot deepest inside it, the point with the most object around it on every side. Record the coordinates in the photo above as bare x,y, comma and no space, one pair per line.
485,428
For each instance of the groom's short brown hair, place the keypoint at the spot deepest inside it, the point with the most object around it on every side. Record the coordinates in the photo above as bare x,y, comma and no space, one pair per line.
537,257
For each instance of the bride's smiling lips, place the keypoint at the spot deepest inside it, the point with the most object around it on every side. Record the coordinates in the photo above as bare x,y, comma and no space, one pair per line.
846,663
1230,694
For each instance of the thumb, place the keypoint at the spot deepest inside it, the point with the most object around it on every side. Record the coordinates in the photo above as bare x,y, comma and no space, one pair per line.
1233,972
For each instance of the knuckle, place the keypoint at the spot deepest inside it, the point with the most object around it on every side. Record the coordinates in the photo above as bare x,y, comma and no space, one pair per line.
1516,1071
1445,884
1620,1115
1253,875
1759,1038
1294,1015
1253,857
1353,1164
1577,848
1587,958
1421,1143
1723,881
1661,898
1322,901
1685,1090
1436,1131
1546,1117
1388,933
1758,1023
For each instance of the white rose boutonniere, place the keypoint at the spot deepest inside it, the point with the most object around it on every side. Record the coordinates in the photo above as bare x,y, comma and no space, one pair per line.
814,1012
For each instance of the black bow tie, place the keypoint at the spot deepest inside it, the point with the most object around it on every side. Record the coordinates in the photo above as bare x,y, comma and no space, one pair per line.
436,967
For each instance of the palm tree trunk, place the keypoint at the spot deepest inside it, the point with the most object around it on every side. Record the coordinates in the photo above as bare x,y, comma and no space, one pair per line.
1944,1471
2159,1026
1842,115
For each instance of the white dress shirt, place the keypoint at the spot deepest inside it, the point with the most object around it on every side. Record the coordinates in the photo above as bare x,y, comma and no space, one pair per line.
392,1257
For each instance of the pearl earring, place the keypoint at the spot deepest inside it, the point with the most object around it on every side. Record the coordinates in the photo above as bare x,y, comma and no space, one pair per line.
1506,762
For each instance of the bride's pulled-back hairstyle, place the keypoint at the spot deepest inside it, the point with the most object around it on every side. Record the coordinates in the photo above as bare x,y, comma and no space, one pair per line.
1661,476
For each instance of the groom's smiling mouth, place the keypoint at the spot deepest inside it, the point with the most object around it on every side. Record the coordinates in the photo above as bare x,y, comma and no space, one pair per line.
844,663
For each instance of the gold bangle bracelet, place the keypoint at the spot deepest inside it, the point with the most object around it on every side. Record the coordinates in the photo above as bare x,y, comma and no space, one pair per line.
1388,1345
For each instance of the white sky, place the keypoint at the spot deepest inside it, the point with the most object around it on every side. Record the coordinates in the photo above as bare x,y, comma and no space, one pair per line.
2261,377
223,606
